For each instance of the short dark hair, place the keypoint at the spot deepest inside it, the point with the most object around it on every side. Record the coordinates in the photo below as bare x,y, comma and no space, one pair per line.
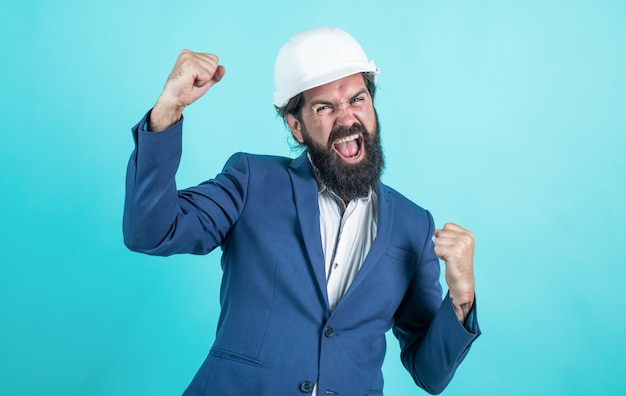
294,105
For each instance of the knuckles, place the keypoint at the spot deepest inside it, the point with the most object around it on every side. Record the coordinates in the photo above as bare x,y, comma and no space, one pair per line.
467,239
454,245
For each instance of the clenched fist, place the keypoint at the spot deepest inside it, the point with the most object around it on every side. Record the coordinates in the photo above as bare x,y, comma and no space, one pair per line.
455,246
193,74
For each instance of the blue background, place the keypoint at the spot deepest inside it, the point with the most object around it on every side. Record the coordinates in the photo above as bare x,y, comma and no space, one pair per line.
506,117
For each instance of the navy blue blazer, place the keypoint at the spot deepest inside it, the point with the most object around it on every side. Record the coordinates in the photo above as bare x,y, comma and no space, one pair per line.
276,334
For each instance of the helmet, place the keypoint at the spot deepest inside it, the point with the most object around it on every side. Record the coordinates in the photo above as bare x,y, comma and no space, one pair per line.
316,57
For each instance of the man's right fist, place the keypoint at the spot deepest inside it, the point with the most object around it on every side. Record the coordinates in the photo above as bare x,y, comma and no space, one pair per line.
193,74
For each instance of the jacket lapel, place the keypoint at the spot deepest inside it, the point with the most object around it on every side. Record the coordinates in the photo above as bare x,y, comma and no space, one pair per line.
306,200
383,234
305,196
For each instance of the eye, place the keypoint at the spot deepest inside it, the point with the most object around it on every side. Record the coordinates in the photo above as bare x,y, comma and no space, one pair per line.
323,109
358,99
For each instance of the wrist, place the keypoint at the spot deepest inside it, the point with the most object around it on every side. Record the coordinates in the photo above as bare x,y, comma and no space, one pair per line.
462,303
461,297
163,116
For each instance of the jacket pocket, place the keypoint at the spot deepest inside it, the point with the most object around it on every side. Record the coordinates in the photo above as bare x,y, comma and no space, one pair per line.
401,255
235,357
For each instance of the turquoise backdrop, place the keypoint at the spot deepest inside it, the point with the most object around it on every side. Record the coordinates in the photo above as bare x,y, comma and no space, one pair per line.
508,117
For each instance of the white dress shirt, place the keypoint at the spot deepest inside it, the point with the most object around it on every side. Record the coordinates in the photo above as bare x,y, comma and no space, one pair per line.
347,234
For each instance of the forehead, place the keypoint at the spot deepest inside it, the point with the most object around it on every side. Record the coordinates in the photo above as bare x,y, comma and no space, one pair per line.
341,89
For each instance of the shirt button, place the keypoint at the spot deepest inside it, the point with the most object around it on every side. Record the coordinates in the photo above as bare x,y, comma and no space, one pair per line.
328,331
306,387
336,265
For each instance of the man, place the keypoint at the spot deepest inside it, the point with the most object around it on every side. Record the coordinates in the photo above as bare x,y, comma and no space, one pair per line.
320,258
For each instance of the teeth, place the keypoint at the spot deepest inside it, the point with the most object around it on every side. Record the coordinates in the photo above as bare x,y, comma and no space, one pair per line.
347,139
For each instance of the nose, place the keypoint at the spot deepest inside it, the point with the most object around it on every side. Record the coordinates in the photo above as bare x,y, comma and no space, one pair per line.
345,116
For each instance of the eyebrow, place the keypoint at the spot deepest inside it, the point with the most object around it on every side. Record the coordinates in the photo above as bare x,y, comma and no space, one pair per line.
328,102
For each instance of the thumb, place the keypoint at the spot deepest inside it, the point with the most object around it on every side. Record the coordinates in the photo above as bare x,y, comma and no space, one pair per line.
209,80
219,73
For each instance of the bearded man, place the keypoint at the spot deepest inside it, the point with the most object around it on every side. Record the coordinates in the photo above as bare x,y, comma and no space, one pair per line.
320,258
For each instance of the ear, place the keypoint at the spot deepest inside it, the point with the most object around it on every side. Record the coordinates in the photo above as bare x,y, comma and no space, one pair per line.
295,126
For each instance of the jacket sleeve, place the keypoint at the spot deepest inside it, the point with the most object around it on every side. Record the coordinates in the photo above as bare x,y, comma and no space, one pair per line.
432,340
159,219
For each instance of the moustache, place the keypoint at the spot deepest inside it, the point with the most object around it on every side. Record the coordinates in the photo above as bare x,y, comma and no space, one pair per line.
342,131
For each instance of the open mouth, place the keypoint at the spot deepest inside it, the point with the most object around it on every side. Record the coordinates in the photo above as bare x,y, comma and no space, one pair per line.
350,148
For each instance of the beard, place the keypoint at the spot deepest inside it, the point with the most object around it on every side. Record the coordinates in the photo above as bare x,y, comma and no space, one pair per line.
348,181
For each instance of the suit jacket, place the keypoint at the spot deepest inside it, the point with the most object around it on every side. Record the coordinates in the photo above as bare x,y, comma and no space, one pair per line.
276,334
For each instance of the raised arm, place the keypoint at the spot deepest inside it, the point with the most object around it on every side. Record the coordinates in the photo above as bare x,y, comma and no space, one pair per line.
455,246
158,218
436,336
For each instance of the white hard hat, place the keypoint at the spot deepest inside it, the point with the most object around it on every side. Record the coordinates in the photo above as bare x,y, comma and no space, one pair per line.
316,57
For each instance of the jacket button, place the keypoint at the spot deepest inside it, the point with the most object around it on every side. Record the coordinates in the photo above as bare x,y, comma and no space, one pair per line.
306,387
328,331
